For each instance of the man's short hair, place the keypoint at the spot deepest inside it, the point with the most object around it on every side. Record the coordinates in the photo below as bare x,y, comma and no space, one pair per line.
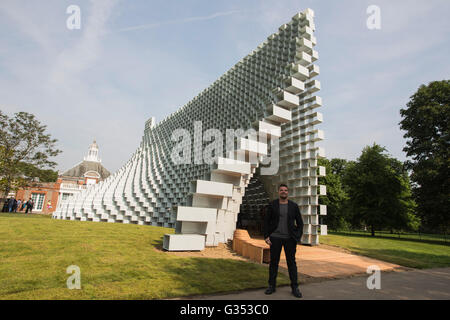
282,185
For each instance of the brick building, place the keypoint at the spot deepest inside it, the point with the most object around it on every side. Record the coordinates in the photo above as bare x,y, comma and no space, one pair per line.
47,195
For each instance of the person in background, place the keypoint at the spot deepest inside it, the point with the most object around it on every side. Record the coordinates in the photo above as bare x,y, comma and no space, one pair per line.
14,207
11,204
5,205
19,205
30,205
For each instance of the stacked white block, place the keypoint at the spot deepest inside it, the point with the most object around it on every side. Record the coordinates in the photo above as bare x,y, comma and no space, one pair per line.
272,91
298,150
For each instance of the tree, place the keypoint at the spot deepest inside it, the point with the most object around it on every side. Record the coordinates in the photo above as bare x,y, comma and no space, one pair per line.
23,143
379,191
44,175
336,197
338,166
426,122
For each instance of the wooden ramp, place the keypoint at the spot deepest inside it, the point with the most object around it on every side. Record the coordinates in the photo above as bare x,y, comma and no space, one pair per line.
254,249
315,262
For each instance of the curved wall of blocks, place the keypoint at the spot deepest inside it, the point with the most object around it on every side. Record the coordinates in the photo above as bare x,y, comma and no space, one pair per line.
271,90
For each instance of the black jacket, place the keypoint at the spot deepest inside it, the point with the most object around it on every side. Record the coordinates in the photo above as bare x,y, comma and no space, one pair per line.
272,217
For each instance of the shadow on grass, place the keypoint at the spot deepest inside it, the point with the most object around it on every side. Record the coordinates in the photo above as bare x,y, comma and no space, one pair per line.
203,276
342,233
196,275
158,244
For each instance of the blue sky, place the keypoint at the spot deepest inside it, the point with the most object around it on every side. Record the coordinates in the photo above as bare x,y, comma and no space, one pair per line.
135,59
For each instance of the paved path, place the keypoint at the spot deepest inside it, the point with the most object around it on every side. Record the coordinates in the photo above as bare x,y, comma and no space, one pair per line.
415,284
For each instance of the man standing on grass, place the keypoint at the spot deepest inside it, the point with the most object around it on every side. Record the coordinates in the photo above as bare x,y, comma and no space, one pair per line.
283,227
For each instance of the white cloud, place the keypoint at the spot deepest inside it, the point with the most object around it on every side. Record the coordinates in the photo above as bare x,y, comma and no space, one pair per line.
178,21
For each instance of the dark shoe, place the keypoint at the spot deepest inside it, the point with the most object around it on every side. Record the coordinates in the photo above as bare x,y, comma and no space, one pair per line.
270,290
296,292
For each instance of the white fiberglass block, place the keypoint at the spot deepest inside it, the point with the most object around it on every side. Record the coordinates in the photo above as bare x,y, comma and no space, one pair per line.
315,239
306,229
220,237
305,45
213,188
322,171
308,33
314,70
209,202
304,59
315,55
232,166
309,12
320,135
220,216
210,240
184,242
196,214
253,146
220,176
313,86
306,239
288,100
300,72
188,227
323,230
233,206
278,114
211,228
305,210
294,85
270,130
320,152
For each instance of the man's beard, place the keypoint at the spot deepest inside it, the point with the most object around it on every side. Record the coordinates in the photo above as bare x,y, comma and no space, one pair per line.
283,197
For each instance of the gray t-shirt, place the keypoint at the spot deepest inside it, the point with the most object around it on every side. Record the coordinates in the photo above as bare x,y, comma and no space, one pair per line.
282,229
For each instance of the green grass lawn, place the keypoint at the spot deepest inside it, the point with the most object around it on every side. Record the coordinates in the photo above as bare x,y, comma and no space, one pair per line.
117,261
433,238
405,252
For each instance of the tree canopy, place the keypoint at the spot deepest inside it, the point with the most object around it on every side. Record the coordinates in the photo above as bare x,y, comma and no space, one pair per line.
379,191
24,147
336,197
426,122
